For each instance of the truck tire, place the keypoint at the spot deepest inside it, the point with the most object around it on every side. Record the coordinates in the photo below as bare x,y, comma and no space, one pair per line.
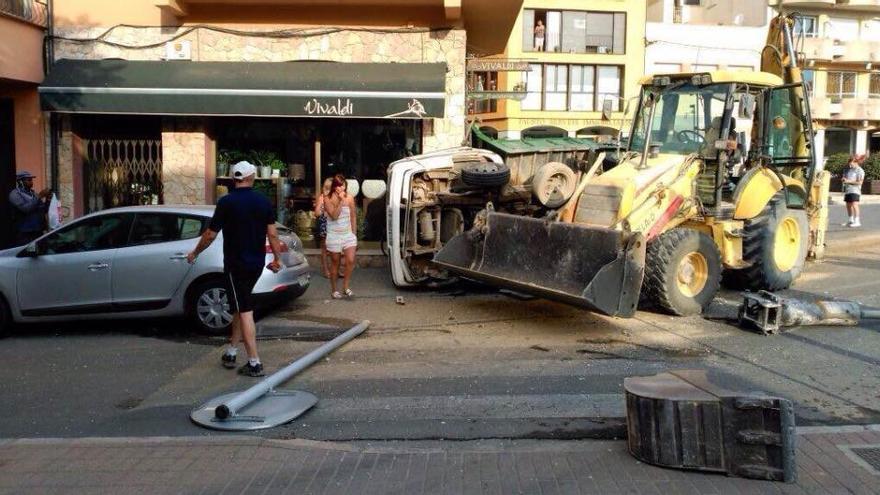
775,245
485,174
553,184
203,307
683,272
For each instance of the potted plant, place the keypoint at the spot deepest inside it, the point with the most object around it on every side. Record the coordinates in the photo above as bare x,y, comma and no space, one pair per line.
872,175
224,159
263,159
278,167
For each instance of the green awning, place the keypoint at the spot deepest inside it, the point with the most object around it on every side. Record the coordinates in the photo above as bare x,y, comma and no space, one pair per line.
290,89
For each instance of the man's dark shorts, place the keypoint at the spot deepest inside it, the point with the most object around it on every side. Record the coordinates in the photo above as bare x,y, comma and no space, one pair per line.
240,283
851,198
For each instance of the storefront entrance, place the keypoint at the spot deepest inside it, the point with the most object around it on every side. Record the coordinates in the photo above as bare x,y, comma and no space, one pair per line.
302,153
7,169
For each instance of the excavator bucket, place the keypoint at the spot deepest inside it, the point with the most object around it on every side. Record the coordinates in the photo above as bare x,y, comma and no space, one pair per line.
595,268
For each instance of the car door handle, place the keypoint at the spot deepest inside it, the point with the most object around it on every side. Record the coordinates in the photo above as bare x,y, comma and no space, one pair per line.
98,266
178,256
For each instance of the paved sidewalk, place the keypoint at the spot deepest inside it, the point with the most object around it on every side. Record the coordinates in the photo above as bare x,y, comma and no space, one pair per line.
240,464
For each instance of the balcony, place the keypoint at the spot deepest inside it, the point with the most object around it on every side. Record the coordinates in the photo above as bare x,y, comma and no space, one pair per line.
818,49
452,9
31,11
858,4
802,3
858,51
858,108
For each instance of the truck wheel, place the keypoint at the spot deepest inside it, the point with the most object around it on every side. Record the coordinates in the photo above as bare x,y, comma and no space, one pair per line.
683,272
208,307
486,174
553,184
775,244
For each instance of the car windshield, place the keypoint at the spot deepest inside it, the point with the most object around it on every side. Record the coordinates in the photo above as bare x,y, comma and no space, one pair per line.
686,118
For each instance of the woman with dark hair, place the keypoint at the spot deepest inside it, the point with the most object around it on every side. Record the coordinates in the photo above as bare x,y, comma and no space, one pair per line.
321,215
341,239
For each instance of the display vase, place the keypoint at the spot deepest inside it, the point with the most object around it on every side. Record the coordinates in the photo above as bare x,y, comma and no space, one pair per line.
222,169
265,172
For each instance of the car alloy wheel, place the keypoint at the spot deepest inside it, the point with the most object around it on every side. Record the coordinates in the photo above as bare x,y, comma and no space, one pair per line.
212,308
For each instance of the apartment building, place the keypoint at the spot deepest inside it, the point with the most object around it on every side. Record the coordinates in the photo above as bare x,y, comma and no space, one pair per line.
22,145
578,59
838,43
705,35
156,98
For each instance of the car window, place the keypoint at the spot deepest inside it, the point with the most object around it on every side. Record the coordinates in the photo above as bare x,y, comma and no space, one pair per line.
90,234
150,228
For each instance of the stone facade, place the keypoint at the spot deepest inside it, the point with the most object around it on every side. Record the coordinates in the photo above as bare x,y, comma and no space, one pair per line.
65,168
184,146
345,45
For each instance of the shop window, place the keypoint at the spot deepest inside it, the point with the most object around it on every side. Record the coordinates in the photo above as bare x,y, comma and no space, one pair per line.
874,87
574,31
841,85
479,83
838,141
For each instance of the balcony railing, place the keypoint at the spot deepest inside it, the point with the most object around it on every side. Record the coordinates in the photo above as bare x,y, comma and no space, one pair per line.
31,11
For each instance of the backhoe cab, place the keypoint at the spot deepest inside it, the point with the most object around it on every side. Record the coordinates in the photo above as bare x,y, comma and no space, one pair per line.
718,179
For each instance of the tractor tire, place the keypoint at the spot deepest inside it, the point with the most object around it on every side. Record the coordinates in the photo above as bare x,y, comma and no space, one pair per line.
485,174
682,273
775,247
553,184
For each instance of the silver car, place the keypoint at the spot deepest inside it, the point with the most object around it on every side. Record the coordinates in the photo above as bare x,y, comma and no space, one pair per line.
131,263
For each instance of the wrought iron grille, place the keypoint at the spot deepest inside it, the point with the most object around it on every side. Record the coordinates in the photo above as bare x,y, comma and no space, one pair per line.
122,172
32,11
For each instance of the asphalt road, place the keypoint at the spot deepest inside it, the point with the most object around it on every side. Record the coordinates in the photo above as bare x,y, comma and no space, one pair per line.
462,364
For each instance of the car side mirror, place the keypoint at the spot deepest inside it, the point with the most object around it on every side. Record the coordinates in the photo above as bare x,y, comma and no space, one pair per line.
29,251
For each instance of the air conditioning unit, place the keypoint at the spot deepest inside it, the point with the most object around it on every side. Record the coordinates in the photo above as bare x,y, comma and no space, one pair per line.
602,49
178,50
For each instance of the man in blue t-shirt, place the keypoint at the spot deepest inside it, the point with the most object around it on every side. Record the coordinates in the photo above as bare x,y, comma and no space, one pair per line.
246,219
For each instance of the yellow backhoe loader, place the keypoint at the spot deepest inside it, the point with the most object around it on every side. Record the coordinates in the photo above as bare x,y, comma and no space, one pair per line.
718,181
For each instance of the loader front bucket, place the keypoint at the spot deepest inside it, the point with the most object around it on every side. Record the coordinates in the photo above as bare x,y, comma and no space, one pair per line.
592,267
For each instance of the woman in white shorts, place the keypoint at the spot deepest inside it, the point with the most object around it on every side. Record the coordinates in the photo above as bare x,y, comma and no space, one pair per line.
341,239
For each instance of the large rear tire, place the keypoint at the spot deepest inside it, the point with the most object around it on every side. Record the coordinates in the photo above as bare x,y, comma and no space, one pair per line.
682,273
775,247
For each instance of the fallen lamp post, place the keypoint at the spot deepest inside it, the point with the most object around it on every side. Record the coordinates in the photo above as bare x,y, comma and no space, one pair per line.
770,313
262,406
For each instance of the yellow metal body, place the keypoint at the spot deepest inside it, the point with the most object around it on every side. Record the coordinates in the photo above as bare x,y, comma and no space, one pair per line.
726,76
757,188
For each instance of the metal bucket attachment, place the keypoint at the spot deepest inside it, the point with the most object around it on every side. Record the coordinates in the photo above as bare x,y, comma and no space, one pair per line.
592,267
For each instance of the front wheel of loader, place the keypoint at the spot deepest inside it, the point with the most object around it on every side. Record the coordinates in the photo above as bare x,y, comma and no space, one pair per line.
682,273
775,247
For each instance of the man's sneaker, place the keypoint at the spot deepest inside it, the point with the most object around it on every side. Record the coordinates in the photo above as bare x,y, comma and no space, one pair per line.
227,360
855,224
848,223
255,370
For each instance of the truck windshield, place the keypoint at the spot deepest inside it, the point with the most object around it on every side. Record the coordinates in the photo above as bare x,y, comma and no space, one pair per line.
686,118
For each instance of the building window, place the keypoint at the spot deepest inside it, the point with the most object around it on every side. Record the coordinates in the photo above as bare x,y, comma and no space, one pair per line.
694,3
555,87
579,88
841,85
574,31
874,87
806,26
838,141
808,76
534,88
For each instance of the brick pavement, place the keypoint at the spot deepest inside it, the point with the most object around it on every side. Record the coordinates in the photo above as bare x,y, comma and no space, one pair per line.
241,464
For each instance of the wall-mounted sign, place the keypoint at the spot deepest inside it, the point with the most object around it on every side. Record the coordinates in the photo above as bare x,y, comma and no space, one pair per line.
497,95
497,65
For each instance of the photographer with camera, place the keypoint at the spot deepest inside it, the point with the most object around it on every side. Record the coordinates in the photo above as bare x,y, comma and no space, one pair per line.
28,208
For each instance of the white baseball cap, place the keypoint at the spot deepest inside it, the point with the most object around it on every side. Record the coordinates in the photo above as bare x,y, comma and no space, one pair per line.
242,170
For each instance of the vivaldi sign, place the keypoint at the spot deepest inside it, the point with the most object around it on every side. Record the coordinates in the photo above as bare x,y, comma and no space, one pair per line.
497,65
340,108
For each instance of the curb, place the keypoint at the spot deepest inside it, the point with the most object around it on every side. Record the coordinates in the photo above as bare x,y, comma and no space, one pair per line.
841,247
